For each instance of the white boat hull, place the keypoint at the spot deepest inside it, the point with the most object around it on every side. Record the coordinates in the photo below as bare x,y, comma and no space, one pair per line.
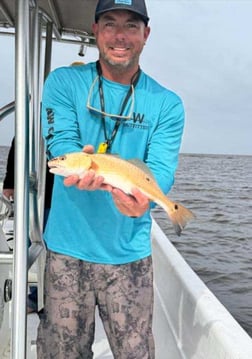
189,321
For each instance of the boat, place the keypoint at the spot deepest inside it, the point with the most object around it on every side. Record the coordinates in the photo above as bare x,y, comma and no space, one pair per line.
189,321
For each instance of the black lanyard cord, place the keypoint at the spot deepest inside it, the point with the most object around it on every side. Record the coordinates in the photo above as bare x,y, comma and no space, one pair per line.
133,84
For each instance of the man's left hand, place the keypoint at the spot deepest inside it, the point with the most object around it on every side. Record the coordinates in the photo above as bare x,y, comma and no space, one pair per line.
134,205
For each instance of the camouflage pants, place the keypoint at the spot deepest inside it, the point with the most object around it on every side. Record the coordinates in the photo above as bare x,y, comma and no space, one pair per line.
123,294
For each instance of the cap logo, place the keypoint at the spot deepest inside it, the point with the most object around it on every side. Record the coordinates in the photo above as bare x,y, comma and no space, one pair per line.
124,2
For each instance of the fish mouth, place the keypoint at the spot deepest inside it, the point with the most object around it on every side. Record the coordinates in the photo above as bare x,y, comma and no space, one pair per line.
51,165
52,162
54,167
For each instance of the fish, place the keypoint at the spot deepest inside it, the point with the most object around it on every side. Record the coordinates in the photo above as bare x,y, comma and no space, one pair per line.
124,175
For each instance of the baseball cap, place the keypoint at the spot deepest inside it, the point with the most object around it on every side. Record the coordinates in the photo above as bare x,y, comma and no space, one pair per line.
136,6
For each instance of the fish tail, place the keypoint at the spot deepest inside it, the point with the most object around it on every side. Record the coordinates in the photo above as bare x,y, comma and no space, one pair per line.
179,216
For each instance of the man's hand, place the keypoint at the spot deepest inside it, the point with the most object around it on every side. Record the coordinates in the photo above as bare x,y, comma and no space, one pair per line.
9,193
134,205
90,181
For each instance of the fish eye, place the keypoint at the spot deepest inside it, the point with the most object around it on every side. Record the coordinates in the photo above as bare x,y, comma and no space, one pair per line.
62,158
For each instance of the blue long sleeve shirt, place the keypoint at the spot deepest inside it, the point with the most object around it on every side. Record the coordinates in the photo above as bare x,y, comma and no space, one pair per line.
86,224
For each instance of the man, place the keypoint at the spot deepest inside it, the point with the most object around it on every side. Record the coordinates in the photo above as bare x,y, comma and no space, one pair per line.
98,238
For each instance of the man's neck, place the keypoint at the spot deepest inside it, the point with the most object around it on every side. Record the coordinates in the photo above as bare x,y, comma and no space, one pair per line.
118,74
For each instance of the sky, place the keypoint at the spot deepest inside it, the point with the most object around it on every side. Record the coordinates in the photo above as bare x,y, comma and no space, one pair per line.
202,50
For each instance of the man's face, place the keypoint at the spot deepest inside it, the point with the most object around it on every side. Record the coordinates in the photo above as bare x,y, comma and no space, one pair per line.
120,37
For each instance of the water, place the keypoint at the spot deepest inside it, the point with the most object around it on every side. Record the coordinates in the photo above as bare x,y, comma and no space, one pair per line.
218,244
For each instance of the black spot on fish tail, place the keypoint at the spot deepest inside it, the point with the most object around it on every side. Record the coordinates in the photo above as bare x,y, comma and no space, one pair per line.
179,217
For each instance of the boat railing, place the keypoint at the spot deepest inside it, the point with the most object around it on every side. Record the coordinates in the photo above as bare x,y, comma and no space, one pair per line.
7,110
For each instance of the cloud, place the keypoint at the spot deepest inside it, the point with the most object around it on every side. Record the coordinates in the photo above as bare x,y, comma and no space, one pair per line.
201,50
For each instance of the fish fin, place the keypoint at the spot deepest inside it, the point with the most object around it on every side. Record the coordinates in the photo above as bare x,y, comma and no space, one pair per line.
179,216
140,164
136,162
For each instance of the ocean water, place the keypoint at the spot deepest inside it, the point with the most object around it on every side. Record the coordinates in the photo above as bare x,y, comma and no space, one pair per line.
218,243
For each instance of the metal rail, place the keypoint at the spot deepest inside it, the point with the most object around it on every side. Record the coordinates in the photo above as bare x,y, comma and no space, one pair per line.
29,198
29,162
6,258
37,172
6,14
7,110
21,226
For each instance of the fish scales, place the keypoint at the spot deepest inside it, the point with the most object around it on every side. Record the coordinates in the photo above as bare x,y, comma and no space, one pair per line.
125,175
116,170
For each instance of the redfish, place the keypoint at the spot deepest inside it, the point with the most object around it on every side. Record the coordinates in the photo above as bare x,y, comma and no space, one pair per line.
125,175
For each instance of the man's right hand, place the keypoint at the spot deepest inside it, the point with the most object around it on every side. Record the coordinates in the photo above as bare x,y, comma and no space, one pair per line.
8,193
90,181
